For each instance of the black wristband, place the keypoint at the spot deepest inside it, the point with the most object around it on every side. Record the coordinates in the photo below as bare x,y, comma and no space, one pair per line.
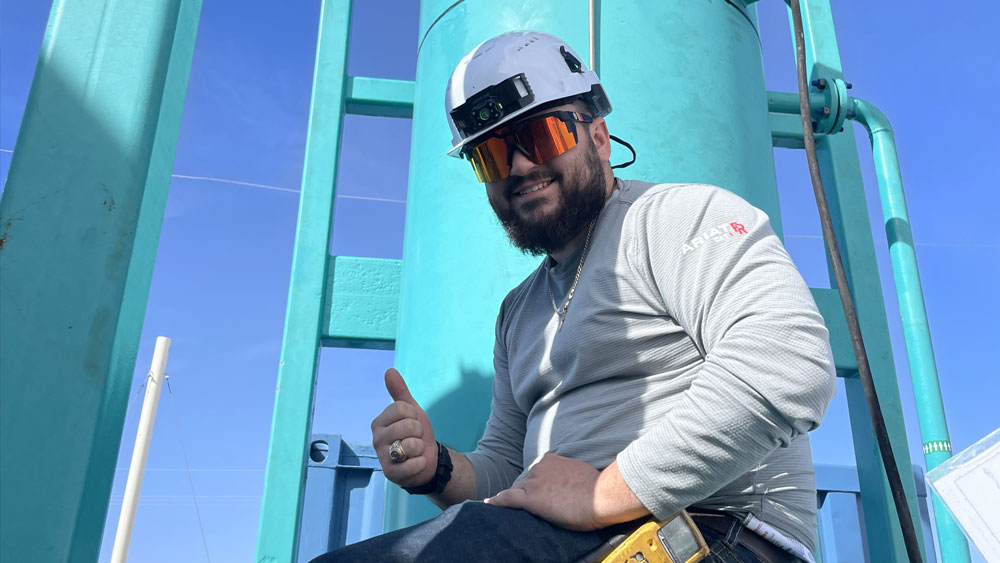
441,476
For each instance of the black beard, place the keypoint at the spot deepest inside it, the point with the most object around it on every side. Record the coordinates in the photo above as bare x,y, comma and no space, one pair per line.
581,197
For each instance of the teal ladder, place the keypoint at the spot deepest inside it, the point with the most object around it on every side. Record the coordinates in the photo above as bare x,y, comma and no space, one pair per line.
333,301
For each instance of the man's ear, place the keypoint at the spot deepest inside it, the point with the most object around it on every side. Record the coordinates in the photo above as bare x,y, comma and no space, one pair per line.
602,139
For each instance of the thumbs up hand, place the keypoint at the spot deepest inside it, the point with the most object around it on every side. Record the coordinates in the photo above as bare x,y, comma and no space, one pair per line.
406,422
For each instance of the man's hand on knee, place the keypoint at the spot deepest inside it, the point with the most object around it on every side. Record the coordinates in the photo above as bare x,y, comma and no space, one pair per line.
572,494
557,489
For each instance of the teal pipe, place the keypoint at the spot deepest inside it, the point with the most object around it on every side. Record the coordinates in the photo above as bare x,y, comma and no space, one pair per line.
916,333
788,102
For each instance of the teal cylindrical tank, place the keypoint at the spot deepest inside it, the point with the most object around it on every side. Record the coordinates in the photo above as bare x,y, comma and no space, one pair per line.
686,82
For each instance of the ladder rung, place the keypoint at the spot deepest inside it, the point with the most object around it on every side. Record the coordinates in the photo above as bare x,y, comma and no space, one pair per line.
380,97
362,303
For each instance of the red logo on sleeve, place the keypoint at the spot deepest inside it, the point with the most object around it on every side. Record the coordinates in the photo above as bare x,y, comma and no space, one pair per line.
717,233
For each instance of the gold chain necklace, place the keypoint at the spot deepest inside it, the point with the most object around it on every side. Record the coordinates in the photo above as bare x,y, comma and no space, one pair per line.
561,311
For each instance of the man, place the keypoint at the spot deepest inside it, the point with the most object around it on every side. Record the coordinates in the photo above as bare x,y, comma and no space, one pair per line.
665,354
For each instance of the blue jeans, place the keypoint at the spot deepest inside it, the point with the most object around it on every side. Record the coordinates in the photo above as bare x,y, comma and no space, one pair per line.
474,531
725,548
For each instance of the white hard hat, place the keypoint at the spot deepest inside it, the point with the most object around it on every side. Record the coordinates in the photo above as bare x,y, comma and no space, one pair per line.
513,74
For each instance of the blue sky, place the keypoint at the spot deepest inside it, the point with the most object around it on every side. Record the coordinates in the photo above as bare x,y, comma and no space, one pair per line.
221,276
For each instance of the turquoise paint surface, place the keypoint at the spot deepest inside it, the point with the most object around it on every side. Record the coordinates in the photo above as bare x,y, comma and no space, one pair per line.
362,303
284,477
828,303
333,301
79,224
379,97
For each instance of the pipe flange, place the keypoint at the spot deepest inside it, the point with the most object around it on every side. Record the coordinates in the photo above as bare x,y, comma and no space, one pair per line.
830,117
839,89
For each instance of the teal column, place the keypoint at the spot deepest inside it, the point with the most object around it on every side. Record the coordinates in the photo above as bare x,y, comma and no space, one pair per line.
284,478
688,124
841,172
79,225
693,104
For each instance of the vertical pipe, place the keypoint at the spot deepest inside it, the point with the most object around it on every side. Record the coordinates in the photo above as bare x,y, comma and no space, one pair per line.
592,23
916,332
284,477
154,383
79,225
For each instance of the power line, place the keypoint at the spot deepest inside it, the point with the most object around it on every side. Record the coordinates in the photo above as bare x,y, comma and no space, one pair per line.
197,469
266,186
279,188
385,199
237,182
119,498
177,420
134,397
389,200
185,500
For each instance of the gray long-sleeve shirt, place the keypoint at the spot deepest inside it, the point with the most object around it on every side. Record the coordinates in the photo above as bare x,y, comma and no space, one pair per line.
692,352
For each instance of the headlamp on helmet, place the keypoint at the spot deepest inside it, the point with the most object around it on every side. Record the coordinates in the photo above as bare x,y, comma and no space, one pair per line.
491,105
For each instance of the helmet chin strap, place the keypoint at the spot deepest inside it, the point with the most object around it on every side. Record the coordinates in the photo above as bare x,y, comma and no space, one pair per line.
629,147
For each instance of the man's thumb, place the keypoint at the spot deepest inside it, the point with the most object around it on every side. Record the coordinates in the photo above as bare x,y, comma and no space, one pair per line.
397,388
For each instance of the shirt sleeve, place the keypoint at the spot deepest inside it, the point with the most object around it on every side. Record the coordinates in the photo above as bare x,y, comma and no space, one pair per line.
498,458
768,372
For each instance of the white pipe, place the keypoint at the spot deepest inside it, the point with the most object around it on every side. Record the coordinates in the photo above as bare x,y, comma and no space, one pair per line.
592,38
154,383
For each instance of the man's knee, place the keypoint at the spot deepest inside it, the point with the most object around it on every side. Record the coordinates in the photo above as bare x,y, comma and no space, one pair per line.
469,512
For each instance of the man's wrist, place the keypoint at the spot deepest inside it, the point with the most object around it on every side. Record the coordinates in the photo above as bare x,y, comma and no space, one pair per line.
442,475
614,501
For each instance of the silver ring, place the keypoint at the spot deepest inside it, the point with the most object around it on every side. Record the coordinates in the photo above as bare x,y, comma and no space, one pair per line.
396,452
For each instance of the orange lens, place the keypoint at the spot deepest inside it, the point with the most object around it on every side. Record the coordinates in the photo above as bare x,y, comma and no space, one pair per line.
541,140
489,160
545,139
